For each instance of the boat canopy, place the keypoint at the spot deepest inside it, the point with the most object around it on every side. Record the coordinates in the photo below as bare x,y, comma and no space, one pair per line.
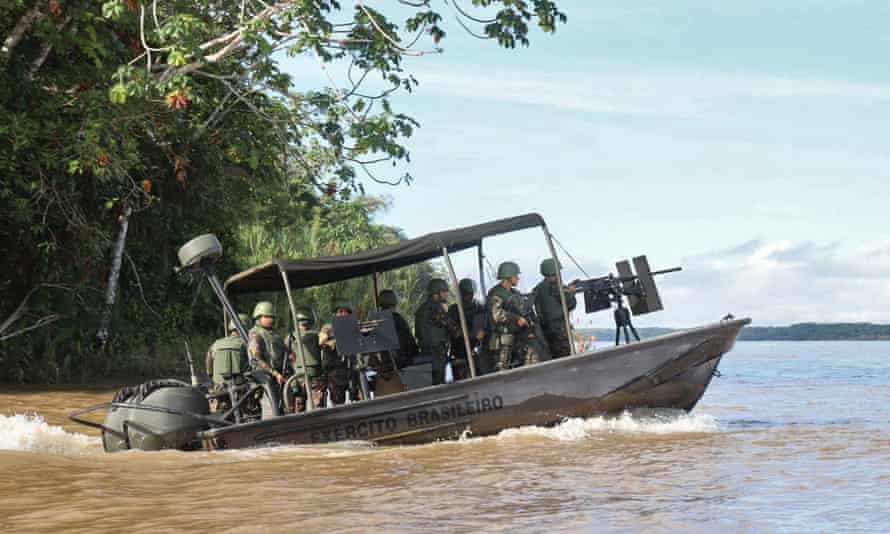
324,270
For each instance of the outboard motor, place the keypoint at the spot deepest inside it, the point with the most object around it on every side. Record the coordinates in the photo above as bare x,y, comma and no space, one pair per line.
165,414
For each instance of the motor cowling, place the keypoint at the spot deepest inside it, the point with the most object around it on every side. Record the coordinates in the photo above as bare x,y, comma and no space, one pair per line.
166,416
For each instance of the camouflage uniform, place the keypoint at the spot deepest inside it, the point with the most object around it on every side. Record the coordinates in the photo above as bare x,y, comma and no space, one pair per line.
503,308
549,310
388,301
474,313
266,349
312,354
334,367
407,344
434,328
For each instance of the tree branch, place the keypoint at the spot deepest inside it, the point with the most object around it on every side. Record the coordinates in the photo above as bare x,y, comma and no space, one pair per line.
21,28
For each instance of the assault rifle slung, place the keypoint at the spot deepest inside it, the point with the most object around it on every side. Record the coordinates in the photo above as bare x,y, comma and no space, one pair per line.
640,289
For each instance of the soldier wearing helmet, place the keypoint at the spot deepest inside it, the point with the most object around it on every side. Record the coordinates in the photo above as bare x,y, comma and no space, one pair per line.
434,328
474,313
512,332
335,367
306,339
226,357
407,345
265,348
549,309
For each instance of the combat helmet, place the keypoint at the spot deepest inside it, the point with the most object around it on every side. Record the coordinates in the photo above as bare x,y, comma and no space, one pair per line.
264,307
387,299
344,304
467,286
436,285
507,270
548,267
241,316
305,316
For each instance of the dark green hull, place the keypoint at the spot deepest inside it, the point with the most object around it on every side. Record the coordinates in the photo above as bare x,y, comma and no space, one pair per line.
670,371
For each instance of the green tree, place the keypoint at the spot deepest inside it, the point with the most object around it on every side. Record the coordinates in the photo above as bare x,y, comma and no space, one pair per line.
176,117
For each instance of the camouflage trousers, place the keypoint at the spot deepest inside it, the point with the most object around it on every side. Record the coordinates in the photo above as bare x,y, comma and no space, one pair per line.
317,385
221,402
338,381
558,342
524,349
440,357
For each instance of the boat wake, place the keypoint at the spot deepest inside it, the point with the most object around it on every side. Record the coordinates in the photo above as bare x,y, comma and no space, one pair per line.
31,433
648,422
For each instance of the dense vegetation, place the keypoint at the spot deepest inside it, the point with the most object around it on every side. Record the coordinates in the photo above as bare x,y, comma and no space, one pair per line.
129,126
817,332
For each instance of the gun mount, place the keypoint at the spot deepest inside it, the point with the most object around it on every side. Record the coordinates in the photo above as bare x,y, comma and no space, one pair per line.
640,289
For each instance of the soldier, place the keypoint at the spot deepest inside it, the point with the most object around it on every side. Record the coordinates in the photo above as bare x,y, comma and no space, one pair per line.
226,356
434,327
474,313
333,364
407,345
549,309
511,331
264,347
308,340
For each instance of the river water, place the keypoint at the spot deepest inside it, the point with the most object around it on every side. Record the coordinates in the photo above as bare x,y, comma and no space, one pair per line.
794,437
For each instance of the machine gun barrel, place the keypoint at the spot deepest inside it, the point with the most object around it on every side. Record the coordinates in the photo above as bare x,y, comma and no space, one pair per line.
653,273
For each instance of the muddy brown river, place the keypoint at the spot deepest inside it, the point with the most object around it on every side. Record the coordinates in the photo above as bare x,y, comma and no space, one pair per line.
795,437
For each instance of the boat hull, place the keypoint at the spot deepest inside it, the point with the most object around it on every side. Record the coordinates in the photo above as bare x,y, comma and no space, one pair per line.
670,371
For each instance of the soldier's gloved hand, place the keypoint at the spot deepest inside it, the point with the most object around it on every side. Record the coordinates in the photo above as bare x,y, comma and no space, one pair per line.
279,377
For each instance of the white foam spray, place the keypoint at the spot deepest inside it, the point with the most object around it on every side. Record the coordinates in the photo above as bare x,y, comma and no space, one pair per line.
575,429
32,433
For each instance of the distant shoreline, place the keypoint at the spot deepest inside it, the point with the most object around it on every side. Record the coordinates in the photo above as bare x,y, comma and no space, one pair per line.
795,332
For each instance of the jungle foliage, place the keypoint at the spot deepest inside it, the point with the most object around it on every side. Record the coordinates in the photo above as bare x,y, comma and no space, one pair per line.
177,118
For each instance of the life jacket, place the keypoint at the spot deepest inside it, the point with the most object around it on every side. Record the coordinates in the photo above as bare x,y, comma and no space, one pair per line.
311,351
549,307
229,357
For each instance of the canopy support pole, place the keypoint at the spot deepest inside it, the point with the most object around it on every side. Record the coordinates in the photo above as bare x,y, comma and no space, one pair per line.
298,338
227,305
562,294
481,269
376,291
460,313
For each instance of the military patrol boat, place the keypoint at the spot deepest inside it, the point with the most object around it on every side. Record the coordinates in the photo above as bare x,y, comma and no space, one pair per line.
669,371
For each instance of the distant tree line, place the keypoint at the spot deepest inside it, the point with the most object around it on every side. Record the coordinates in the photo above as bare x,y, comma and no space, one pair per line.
795,332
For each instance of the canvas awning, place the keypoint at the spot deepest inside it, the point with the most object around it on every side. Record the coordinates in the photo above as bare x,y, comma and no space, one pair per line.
318,271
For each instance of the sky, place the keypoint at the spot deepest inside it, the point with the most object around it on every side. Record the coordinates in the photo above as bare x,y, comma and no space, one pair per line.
746,142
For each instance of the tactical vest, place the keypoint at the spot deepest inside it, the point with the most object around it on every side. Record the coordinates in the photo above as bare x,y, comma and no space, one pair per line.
274,346
432,338
229,357
311,352
549,307
512,303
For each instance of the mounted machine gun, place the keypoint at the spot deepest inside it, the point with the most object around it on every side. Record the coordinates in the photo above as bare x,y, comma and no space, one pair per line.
640,290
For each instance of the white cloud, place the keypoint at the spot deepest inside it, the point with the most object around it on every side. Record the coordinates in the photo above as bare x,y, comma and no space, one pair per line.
787,282
666,93
774,283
